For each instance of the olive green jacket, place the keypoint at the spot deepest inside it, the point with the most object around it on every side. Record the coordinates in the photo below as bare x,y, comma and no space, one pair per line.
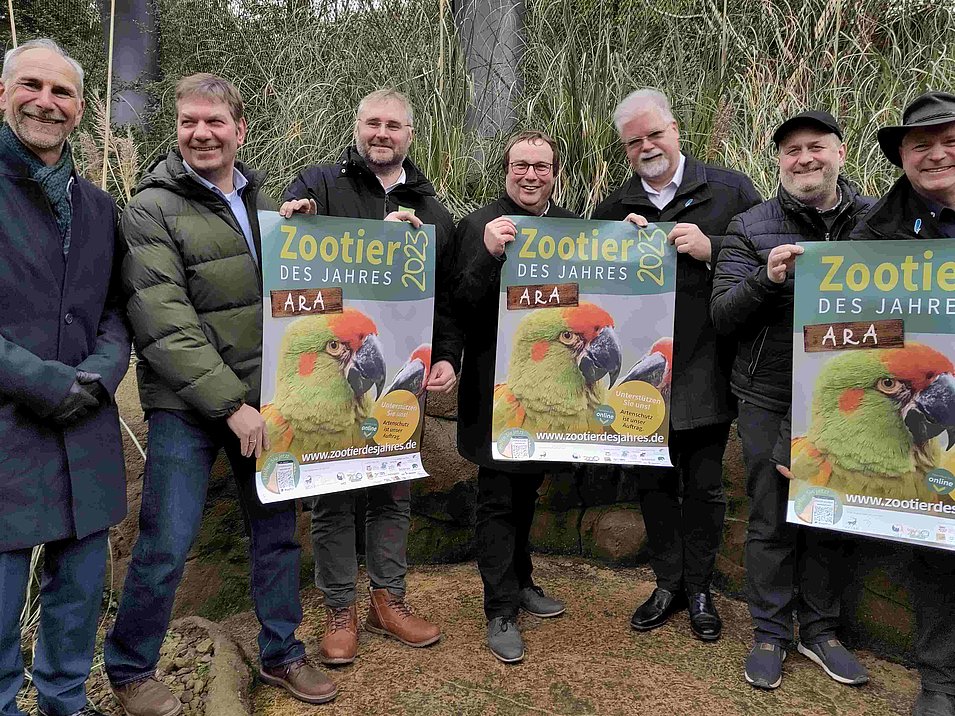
194,292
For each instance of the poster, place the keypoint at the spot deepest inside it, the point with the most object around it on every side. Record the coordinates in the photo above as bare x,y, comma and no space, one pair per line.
346,350
874,390
585,343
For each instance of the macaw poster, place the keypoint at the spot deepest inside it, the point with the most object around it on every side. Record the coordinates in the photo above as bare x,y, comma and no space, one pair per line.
346,350
873,426
585,343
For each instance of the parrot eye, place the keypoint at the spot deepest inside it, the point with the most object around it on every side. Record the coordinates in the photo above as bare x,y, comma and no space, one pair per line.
889,386
567,338
334,348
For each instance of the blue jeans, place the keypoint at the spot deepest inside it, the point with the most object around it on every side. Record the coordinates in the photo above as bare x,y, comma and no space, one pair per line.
180,454
71,592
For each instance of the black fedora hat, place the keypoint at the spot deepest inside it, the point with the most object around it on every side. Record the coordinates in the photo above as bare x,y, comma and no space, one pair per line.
813,118
926,110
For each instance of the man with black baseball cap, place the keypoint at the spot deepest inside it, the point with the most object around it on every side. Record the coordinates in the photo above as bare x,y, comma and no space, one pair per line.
921,205
787,567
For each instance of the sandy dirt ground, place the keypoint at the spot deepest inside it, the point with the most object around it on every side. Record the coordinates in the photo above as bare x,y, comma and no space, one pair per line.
588,661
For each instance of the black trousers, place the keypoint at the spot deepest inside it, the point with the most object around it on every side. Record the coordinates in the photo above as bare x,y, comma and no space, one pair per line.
787,567
933,588
683,509
505,511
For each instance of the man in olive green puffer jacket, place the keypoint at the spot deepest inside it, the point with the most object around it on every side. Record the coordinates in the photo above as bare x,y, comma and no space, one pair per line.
193,277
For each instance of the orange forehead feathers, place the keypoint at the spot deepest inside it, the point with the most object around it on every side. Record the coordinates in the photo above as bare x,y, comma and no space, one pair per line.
352,327
587,319
423,353
916,364
664,346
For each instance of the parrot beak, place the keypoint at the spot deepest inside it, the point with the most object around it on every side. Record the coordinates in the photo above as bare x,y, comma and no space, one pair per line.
602,356
934,410
649,369
411,377
367,367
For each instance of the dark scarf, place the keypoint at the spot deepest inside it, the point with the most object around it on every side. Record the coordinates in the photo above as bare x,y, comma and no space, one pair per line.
55,180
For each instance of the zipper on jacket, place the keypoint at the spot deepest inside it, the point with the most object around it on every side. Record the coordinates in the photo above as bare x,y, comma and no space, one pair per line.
755,361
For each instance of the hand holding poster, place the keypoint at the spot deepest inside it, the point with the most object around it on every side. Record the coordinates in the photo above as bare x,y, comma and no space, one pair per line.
345,352
874,390
584,347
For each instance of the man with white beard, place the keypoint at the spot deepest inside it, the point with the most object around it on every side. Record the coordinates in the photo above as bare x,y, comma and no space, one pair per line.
683,508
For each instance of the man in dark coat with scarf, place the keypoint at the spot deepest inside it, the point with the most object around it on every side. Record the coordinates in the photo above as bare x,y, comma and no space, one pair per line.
64,348
507,491
921,205
683,508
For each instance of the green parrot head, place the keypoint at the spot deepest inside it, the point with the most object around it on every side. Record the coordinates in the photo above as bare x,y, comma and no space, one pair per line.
559,354
327,365
878,411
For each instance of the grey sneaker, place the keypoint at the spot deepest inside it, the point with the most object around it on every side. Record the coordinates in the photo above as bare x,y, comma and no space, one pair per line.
836,660
147,697
504,640
764,665
534,601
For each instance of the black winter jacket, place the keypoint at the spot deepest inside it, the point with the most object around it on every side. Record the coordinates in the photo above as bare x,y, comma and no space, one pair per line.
350,189
476,303
900,214
748,306
709,197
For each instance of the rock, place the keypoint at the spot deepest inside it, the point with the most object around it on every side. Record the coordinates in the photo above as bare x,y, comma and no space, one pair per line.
199,686
443,405
204,646
556,531
186,697
613,533
165,663
181,662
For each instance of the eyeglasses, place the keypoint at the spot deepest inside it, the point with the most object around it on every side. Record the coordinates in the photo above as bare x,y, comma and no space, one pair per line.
376,124
654,137
540,168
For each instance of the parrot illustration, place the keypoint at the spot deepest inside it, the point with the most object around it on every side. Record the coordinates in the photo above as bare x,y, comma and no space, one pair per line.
655,367
327,364
558,357
413,375
876,415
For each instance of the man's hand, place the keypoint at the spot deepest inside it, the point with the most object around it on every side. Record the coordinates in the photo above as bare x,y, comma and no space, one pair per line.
688,239
782,259
497,234
249,426
784,471
75,406
298,206
442,377
90,381
405,216
637,219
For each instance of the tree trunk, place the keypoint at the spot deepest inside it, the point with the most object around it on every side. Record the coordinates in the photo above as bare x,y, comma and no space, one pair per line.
135,57
490,33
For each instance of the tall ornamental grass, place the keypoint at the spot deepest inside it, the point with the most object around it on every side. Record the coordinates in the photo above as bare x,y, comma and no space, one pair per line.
733,71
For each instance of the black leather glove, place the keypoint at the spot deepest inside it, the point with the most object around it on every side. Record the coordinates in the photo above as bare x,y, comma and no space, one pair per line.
90,381
75,406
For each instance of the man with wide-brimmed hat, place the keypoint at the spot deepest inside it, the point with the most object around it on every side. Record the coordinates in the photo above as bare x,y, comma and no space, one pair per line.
921,205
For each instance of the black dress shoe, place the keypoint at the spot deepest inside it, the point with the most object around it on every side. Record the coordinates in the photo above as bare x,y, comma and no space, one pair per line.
657,609
704,620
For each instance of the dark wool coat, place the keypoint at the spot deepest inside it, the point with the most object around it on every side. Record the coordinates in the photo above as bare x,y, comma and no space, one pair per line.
56,316
709,197
748,306
476,306
350,189
195,292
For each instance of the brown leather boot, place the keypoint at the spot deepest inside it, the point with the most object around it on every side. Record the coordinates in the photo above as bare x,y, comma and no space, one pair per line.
390,616
302,680
340,643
